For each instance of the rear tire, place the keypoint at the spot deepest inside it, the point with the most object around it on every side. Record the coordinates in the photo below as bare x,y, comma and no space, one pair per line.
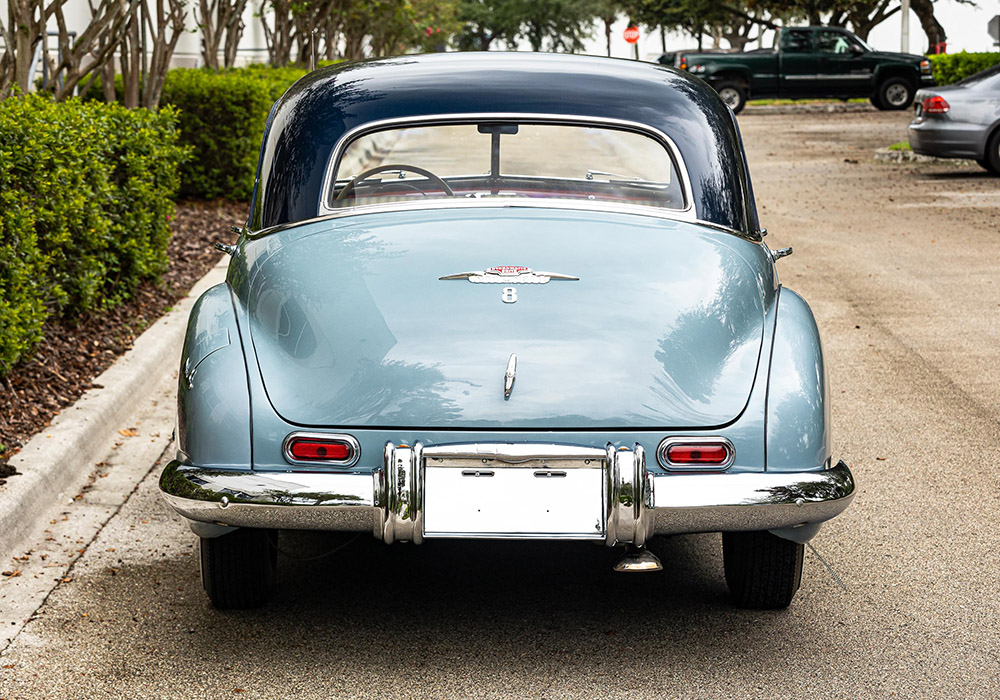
763,571
238,569
992,160
734,94
894,93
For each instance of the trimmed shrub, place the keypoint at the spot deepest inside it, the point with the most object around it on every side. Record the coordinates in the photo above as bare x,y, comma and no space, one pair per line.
222,117
951,67
85,205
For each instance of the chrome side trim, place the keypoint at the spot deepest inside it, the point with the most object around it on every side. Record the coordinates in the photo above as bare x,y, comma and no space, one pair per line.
342,437
661,453
688,503
519,117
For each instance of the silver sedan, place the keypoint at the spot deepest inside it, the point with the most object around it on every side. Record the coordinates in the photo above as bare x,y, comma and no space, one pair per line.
960,120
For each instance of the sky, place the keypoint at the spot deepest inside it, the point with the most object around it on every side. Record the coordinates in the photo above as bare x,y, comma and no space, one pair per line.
964,24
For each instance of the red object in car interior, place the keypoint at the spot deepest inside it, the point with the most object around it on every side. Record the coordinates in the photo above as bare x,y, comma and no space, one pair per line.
704,454
313,450
935,105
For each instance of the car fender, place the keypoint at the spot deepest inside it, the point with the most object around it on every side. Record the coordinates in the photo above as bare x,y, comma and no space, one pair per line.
798,407
726,71
895,69
213,399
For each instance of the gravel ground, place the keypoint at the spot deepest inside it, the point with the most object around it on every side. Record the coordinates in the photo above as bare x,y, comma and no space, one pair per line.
898,262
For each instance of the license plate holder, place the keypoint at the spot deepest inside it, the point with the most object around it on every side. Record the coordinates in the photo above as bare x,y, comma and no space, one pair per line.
544,499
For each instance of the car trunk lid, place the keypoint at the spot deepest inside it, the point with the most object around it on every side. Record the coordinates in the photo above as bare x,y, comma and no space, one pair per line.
352,326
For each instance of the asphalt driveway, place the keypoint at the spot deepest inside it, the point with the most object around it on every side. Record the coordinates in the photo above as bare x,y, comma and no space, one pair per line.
899,263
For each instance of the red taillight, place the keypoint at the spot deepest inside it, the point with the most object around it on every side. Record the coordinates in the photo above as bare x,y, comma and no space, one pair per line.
695,455
320,449
935,105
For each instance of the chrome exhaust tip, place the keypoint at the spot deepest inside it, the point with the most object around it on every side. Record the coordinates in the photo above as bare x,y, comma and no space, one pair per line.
638,559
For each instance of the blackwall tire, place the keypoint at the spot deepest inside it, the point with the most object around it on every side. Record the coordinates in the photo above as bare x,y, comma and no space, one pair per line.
734,94
992,160
895,94
238,569
763,571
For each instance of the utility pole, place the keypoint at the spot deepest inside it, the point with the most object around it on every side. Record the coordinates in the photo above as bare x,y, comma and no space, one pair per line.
905,28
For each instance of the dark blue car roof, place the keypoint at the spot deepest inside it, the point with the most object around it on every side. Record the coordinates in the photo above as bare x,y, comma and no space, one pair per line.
317,111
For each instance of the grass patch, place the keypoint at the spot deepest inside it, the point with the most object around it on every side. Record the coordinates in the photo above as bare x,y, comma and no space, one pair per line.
900,146
783,101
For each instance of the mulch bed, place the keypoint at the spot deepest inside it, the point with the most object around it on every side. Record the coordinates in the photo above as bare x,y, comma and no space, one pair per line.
75,351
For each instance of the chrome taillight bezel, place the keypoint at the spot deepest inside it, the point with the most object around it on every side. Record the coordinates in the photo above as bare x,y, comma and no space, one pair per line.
694,440
342,438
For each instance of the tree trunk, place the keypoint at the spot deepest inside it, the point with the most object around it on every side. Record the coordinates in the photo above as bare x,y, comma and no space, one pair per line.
607,33
28,33
924,11
131,62
234,32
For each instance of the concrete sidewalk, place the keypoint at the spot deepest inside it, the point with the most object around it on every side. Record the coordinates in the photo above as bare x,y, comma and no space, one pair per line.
76,473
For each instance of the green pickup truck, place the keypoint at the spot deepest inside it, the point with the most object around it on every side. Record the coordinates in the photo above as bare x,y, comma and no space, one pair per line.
812,62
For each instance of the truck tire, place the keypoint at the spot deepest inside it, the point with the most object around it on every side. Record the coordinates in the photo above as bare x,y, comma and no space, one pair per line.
894,93
733,93
238,569
763,571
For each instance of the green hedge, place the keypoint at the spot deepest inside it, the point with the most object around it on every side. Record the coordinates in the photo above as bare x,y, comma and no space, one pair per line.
86,194
951,67
222,117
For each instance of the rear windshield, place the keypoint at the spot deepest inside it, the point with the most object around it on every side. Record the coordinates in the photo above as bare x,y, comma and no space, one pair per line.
483,160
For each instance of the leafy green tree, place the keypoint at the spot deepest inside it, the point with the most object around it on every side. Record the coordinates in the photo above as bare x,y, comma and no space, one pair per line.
552,25
606,12
485,23
693,17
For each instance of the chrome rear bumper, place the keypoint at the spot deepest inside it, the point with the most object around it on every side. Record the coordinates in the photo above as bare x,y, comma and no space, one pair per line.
389,501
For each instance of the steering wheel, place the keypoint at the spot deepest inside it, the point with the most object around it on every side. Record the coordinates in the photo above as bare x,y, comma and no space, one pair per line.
350,186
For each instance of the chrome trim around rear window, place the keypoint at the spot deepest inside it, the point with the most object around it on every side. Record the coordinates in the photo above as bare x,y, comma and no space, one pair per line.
520,118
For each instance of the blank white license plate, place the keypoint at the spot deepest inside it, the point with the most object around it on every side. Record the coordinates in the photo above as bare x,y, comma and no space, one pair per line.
514,502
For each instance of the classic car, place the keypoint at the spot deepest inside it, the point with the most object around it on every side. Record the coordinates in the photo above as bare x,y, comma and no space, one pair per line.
504,296
960,120
812,62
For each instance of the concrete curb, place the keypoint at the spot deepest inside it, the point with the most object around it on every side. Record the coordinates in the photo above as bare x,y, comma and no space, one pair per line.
55,463
884,155
811,107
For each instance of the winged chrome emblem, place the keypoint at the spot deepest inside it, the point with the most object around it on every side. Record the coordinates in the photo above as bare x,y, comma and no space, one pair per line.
508,274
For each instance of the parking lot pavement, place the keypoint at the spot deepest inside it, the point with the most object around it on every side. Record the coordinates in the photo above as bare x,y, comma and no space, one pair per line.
897,261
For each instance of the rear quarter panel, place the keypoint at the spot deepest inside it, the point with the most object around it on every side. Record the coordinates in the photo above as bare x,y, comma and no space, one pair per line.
798,407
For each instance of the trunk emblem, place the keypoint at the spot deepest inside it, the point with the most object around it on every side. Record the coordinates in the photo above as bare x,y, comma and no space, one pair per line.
509,376
508,274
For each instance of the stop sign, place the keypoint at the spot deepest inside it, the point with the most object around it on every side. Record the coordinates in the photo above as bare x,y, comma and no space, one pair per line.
632,35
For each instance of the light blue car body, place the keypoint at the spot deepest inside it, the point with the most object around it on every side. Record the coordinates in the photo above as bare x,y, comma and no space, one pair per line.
663,327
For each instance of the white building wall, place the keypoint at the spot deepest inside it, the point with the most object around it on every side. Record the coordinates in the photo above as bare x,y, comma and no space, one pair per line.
253,48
